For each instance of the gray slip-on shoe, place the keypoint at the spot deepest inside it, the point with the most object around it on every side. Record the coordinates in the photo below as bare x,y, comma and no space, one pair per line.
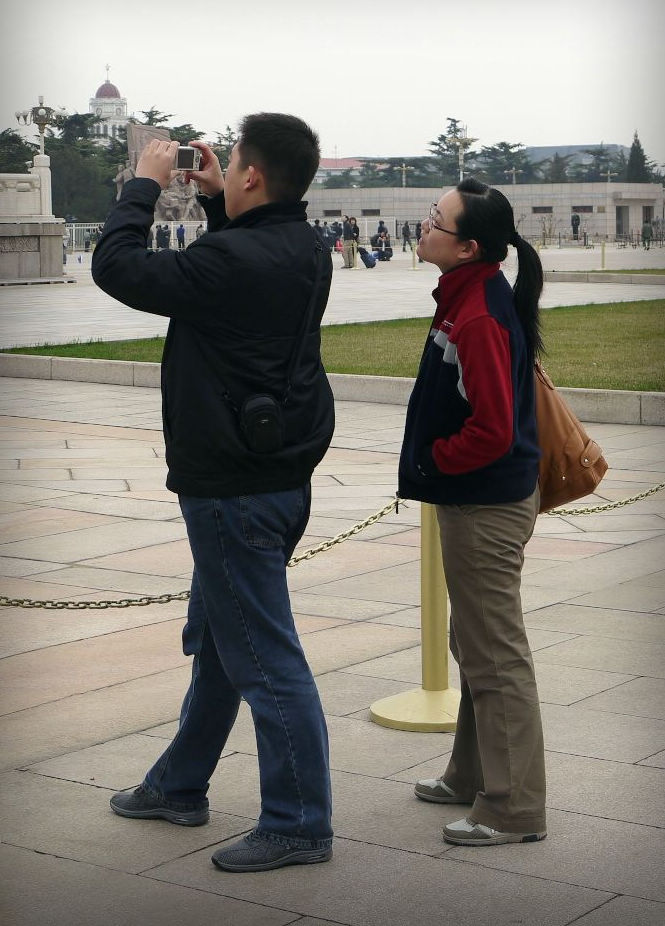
438,792
467,832
252,853
140,805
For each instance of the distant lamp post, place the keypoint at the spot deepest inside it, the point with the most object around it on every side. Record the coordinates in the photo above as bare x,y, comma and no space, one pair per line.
41,116
608,174
513,171
461,142
404,168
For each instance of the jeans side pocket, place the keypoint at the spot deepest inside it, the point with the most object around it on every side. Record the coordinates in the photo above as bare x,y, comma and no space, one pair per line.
267,519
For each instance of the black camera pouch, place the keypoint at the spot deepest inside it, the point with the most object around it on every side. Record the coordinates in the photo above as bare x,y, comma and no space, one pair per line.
262,423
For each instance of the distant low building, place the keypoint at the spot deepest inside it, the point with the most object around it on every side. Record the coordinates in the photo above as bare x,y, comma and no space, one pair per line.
543,211
335,167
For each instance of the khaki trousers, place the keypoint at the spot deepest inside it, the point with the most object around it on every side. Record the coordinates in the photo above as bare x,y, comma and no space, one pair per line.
349,253
497,761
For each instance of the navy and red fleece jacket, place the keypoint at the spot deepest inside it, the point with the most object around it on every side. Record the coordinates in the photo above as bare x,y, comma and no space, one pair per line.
470,435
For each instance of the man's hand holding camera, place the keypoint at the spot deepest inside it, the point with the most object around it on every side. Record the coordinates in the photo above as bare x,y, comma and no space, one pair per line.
210,178
158,159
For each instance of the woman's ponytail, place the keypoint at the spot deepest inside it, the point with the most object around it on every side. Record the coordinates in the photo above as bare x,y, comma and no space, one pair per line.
488,218
527,289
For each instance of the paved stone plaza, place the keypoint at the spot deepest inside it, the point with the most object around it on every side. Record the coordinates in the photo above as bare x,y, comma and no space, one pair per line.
90,698
59,313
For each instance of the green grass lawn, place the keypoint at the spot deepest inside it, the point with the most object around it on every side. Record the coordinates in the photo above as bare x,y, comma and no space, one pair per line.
619,345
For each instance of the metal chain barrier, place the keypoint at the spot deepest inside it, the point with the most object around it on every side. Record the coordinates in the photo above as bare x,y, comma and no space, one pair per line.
184,596
609,506
321,548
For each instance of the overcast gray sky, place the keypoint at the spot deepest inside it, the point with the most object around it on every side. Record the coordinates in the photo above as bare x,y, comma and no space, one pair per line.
374,77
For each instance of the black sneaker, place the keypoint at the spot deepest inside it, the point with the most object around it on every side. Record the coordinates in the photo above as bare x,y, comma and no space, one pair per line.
252,853
141,805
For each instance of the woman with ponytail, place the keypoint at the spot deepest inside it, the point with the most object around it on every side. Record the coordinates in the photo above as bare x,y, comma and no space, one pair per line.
470,448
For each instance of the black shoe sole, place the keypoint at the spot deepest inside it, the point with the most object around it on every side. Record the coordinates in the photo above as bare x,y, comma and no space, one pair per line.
434,799
514,839
181,818
298,857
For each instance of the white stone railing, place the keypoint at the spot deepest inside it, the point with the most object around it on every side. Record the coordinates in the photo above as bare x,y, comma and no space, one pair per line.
27,197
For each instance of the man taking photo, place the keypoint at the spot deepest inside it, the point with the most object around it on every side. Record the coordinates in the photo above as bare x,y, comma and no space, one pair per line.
247,415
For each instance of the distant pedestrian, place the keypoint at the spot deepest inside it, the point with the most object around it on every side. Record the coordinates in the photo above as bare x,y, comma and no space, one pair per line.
381,227
150,240
200,230
647,234
350,234
383,246
180,235
328,236
318,231
575,225
86,241
419,234
406,236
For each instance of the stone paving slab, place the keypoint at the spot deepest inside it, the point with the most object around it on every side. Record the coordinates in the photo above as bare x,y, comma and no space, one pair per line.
595,856
66,818
40,889
96,695
622,910
368,885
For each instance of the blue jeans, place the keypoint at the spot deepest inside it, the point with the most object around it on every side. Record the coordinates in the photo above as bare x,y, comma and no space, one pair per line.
241,633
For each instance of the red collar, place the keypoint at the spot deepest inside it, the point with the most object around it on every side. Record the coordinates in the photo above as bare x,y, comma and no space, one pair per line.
453,283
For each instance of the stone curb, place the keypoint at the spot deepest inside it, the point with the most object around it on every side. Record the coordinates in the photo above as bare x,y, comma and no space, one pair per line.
606,406
580,276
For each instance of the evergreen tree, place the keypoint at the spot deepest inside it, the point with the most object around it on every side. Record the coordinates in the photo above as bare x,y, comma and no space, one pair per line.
495,163
185,133
554,169
619,166
594,169
224,145
81,172
154,116
15,152
446,153
340,181
372,175
638,169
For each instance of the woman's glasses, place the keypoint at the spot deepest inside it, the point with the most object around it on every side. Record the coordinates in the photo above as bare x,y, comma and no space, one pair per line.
433,211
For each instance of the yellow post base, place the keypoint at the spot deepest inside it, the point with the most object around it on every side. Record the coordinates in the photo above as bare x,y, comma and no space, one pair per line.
418,710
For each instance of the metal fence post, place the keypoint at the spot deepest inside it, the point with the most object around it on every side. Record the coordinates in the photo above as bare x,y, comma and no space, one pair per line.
432,707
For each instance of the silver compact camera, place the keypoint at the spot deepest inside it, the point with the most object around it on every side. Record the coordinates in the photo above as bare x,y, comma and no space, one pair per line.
187,158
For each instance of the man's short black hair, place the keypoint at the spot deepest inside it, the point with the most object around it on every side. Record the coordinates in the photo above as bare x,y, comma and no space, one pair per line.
284,148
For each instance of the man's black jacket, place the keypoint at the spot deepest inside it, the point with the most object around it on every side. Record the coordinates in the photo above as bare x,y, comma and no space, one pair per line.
236,299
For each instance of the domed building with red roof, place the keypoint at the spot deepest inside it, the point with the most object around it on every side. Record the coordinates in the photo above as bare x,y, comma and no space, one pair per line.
111,109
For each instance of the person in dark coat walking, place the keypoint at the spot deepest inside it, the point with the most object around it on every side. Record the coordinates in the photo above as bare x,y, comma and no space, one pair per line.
245,303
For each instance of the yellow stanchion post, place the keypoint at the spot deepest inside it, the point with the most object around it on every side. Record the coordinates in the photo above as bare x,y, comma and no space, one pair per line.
414,264
602,255
433,707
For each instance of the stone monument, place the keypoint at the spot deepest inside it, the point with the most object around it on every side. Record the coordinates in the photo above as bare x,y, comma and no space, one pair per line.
177,203
31,238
